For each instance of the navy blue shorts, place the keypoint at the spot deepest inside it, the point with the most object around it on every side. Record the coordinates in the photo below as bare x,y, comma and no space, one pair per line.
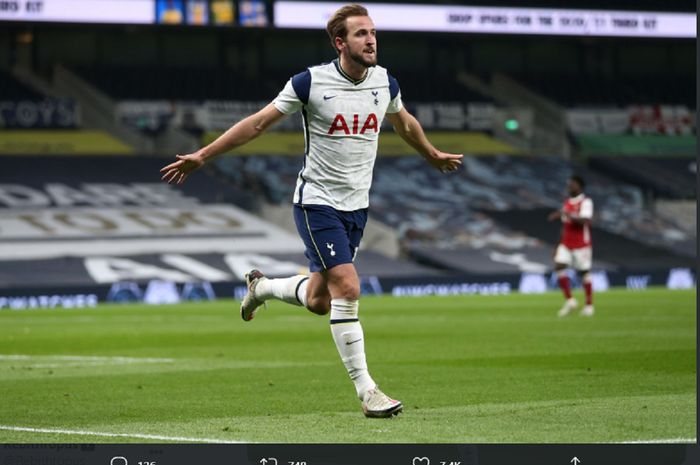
331,237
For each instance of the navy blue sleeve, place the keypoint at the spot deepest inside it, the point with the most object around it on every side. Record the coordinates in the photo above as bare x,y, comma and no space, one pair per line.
393,86
302,86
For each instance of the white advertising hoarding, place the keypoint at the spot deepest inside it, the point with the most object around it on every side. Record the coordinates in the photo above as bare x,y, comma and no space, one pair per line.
79,11
496,20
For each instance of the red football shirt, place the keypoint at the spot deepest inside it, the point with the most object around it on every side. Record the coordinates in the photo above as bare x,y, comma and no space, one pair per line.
576,236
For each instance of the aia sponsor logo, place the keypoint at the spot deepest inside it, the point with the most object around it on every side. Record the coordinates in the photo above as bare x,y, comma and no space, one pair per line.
340,124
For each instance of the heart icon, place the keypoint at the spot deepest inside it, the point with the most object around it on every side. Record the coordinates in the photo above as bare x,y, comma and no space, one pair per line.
421,461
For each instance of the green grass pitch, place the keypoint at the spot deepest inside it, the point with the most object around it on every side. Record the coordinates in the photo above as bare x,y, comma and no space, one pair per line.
472,369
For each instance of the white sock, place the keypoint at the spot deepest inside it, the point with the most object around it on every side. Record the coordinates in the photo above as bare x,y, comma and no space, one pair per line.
291,290
350,341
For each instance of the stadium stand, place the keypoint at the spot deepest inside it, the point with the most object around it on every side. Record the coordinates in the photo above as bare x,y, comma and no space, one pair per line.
683,212
183,87
487,220
61,230
624,252
195,83
29,118
620,90
467,210
12,89
665,177
174,83
420,87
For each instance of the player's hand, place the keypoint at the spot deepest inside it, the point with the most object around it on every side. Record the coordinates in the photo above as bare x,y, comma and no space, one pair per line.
554,216
445,162
178,171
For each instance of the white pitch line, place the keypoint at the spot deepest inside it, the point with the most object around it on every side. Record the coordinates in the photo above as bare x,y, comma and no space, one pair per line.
86,358
74,365
155,437
661,441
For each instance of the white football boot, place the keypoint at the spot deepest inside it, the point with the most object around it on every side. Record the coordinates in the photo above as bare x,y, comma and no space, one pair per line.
587,310
569,306
376,404
250,303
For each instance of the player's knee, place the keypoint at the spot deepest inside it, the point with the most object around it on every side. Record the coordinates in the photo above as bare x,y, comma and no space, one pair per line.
349,291
586,276
561,272
343,282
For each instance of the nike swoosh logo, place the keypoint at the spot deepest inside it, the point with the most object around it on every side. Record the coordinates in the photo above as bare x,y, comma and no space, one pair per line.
326,97
352,342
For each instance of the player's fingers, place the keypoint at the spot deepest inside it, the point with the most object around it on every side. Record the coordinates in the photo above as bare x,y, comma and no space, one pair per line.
173,176
171,166
448,167
169,174
454,156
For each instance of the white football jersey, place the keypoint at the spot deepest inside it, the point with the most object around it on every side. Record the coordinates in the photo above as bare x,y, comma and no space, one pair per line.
341,119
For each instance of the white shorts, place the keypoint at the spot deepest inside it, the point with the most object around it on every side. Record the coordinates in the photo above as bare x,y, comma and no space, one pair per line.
579,259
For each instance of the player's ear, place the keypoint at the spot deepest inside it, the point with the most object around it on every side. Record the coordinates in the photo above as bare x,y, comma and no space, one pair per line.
339,43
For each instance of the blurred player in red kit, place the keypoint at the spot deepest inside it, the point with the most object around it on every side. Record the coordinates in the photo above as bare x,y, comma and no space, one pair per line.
574,249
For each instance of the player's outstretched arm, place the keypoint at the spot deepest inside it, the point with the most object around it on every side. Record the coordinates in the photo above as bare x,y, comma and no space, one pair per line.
410,130
239,134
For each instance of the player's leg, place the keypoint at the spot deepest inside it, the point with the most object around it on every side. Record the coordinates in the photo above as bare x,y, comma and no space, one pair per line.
294,290
317,295
562,260
335,238
348,335
583,258
310,292
261,289
344,289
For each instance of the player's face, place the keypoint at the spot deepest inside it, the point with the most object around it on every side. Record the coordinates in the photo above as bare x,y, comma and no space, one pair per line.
360,45
573,188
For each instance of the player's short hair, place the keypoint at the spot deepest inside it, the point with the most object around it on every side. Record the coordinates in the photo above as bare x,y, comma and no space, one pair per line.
578,180
337,26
